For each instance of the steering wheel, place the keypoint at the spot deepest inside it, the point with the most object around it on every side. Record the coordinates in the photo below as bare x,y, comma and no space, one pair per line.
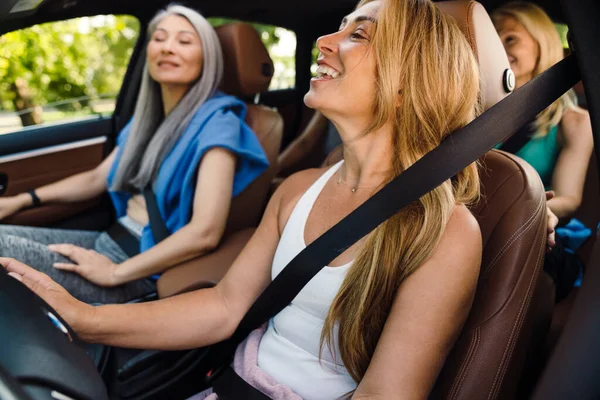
40,356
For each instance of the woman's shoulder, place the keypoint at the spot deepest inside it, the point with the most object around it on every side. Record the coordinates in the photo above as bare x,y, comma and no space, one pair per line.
463,224
576,124
460,242
292,189
298,183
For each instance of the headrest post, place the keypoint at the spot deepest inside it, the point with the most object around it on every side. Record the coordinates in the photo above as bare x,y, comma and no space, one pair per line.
257,98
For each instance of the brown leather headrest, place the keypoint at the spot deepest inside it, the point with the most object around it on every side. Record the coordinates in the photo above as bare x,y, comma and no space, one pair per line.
248,67
496,82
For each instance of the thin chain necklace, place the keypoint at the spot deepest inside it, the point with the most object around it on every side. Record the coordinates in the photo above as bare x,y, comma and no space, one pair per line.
353,188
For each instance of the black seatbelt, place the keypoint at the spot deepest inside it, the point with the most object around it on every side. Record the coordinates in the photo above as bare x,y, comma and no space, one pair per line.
519,139
157,225
459,150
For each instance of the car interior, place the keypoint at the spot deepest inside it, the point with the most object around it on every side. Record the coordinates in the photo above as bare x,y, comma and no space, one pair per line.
517,343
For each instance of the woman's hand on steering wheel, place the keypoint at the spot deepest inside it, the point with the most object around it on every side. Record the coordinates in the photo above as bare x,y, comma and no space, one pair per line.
70,309
91,265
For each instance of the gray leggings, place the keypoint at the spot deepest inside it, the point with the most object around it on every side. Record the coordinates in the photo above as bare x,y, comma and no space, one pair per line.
29,245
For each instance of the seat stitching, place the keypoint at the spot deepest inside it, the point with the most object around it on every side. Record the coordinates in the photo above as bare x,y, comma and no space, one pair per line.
457,382
519,321
515,236
463,371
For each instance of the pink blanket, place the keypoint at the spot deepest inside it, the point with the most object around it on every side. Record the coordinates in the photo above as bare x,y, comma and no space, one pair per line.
245,364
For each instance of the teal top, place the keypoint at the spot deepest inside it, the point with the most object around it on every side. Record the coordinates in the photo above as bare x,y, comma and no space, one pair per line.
541,153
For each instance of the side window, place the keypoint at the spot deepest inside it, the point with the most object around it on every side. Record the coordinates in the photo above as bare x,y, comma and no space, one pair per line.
562,32
63,71
281,45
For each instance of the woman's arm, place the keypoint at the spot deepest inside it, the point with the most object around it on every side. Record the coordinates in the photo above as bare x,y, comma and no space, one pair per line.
212,200
571,167
83,186
186,321
427,316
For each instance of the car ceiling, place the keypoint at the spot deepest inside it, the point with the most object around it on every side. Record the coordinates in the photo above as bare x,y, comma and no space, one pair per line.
298,15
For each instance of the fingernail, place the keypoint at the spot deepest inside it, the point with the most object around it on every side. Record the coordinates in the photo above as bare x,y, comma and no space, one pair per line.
16,276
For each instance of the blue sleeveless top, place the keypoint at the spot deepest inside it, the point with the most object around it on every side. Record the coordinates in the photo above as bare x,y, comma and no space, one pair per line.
542,153
219,122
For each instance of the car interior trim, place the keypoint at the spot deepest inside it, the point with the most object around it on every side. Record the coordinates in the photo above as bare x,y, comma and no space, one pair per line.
52,149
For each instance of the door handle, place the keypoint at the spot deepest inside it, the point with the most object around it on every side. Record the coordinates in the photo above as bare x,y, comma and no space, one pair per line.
3,183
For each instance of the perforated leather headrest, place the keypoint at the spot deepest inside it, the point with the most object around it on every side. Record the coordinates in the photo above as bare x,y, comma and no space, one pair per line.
248,67
496,80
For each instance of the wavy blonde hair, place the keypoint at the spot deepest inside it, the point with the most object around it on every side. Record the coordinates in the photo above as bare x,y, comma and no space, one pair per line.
421,54
543,31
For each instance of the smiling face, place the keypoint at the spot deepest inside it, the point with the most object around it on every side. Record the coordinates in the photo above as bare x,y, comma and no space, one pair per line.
174,52
345,83
521,48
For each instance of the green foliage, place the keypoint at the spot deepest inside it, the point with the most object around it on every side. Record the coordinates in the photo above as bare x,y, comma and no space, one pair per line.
562,32
65,64
83,57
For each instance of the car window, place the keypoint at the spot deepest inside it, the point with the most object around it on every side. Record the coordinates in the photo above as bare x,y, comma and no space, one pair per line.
63,71
281,45
562,32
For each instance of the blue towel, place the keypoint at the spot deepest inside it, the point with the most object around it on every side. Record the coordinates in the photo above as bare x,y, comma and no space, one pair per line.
219,122
573,234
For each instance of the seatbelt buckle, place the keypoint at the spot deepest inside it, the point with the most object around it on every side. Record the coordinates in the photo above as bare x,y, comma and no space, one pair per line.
214,374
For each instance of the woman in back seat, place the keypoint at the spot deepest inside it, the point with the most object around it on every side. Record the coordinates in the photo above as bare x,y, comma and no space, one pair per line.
558,144
379,321
187,142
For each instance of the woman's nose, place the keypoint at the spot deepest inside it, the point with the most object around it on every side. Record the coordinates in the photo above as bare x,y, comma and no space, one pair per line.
167,46
327,44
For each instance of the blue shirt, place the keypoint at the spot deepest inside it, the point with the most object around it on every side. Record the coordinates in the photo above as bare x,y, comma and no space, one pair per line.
219,122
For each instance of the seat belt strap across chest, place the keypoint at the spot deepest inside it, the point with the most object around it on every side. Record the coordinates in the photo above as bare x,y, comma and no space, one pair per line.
157,225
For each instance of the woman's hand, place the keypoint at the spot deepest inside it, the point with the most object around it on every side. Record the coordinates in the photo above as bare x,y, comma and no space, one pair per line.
91,265
73,311
11,205
552,221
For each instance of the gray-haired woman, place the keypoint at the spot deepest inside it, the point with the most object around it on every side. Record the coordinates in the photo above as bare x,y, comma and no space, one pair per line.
185,139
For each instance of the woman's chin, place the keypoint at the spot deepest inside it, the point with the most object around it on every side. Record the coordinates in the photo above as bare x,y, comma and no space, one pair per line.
310,101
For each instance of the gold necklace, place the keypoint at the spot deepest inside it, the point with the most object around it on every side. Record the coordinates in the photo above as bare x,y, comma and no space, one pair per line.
354,187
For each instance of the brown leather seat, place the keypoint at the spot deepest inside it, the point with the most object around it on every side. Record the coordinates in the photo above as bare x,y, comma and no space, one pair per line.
513,305
248,72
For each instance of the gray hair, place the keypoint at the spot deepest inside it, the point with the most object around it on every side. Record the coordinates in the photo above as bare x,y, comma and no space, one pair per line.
153,135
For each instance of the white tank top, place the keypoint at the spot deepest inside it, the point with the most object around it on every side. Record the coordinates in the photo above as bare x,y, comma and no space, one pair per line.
289,350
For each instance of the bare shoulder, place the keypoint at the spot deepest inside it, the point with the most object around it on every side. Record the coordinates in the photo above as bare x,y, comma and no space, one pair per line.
292,188
576,125
461,241
463,224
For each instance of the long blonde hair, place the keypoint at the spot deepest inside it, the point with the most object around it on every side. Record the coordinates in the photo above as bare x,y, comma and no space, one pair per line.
421,54
543,31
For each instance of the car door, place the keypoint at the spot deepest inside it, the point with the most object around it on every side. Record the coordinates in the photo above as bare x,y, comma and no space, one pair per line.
60,108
